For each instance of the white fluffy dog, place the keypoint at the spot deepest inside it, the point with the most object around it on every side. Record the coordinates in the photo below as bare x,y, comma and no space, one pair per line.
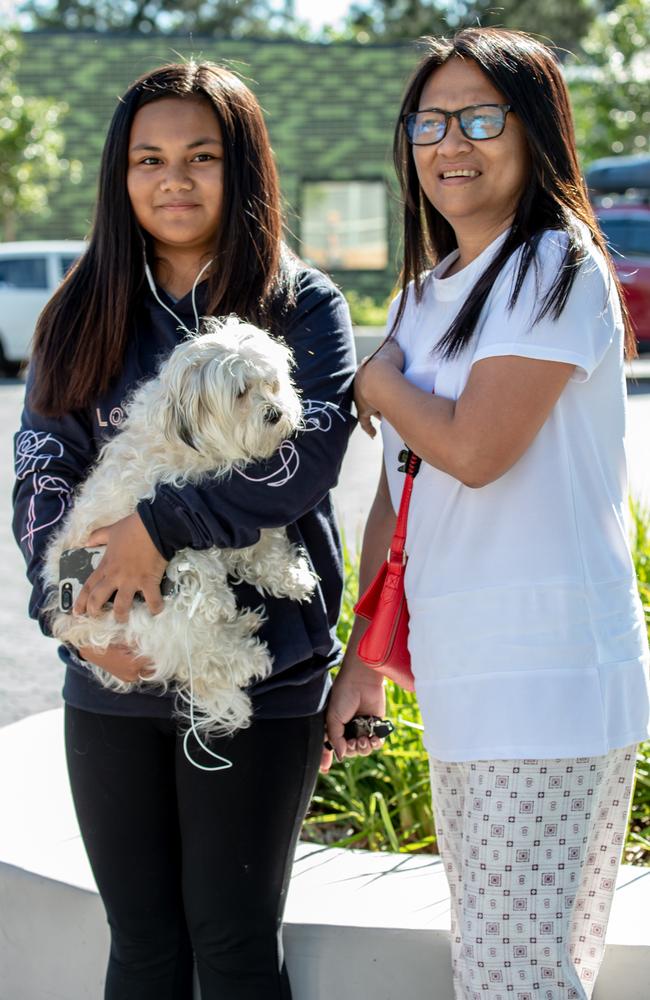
221,400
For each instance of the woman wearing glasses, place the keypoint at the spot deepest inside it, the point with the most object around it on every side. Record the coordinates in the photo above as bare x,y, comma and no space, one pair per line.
503,370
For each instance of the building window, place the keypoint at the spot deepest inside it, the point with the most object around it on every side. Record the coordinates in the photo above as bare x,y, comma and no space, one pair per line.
343,225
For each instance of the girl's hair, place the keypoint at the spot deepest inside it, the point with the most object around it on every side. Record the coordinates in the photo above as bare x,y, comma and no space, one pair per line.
527,74
82,333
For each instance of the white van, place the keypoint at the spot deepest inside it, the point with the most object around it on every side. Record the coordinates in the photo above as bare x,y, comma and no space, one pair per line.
29,273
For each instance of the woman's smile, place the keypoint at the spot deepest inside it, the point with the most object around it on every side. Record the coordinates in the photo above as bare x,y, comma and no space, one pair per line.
458,175
178,206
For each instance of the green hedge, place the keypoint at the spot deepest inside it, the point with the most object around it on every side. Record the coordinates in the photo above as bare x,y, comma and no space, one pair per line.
382,802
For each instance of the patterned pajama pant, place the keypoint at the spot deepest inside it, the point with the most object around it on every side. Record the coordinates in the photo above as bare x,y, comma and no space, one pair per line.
531,849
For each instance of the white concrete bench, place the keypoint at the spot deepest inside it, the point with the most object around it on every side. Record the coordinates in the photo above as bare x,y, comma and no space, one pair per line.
359,926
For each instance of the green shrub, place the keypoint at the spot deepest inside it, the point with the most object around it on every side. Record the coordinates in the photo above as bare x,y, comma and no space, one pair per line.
637,847
382,803
366,311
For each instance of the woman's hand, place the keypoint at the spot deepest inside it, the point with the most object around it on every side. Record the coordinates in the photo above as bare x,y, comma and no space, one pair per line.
118,660
389,356
130,564
357,690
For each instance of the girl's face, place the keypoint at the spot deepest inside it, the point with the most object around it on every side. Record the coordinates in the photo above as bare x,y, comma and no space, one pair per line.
494,171
175,172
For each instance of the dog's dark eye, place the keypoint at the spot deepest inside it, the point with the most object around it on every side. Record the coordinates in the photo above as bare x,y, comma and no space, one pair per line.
242,392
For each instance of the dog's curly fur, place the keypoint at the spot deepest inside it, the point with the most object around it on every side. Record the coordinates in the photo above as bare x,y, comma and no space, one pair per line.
221,400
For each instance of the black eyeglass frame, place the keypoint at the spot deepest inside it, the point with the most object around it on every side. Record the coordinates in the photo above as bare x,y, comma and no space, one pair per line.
455,114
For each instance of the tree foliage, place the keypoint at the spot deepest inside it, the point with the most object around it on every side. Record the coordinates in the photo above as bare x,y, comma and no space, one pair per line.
31,146
231,18
562,23
610,91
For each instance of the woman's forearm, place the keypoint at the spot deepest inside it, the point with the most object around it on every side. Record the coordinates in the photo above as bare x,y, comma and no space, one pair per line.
424,421
478,437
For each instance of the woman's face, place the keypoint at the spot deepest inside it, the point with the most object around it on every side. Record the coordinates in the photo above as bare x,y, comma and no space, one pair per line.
495,170
175,172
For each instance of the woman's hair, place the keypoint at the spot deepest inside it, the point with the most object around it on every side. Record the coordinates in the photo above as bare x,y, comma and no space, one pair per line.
555,197
82,333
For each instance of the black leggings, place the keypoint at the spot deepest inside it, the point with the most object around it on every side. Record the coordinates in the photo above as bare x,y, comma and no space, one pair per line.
192,866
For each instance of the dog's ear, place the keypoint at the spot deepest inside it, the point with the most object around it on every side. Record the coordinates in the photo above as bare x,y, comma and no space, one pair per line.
175,426
185,433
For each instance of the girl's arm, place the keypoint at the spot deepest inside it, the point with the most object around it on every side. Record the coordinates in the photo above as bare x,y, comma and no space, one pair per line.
51,457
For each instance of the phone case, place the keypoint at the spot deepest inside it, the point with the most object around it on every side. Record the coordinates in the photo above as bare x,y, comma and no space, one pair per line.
76,565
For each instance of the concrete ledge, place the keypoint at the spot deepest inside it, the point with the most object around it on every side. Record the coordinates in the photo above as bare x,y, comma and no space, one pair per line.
359,925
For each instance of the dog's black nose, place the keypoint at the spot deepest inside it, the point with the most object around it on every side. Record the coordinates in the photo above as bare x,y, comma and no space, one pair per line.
272,415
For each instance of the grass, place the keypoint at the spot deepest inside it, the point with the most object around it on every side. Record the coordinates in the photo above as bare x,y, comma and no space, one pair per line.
382,802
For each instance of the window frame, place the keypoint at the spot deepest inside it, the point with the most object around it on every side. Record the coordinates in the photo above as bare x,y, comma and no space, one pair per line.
305,182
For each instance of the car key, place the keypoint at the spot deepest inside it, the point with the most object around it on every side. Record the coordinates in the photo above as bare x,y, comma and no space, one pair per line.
365,725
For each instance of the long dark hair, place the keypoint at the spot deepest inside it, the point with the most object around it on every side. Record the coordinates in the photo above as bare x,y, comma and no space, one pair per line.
527,74
82,333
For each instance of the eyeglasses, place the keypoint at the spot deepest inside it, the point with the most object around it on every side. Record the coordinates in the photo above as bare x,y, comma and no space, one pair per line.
477,122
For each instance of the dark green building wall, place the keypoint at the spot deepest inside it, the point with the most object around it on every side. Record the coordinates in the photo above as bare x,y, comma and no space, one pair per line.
330,111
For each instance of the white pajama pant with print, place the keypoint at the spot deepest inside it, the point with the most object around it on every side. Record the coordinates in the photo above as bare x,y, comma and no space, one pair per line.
531,849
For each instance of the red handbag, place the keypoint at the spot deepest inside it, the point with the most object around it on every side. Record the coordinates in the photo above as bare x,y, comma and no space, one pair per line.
384,644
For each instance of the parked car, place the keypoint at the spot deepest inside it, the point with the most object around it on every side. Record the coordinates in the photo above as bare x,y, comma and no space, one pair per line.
29,273
618,174
627,229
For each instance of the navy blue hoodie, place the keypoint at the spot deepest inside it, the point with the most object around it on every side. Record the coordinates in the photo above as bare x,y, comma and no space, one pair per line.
291,489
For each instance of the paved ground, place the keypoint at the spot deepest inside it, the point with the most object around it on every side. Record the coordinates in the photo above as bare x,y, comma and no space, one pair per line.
30,672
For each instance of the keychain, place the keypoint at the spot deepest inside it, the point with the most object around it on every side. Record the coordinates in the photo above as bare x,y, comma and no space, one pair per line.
365,725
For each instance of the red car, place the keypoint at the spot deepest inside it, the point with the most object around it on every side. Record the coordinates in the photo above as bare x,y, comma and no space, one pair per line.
620,189
627,229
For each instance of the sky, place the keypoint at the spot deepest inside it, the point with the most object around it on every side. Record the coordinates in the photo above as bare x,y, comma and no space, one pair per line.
320,12
316,12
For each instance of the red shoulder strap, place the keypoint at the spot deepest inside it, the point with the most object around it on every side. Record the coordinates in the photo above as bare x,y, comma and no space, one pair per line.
396,552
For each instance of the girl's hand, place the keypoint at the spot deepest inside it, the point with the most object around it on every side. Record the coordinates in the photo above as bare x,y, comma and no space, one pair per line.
118,660
357,690
130,564
391,355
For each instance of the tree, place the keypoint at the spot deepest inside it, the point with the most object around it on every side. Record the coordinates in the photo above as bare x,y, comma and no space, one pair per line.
389,20
232,18
31,145
611,94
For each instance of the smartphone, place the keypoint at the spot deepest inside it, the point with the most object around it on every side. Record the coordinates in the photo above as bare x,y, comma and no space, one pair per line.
76,565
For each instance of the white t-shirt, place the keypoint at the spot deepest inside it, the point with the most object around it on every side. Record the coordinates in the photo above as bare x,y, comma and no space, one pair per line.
527,635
